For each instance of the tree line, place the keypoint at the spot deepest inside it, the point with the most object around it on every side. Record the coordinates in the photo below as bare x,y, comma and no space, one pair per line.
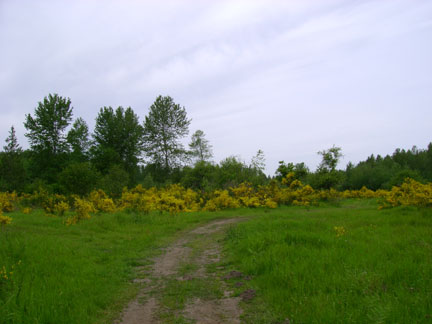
64,157
373,173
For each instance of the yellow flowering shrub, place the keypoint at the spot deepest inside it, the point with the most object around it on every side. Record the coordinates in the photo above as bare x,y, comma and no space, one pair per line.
83,208
51,203
4,220
410,193
362,193
329,195
288,179
138,200
176,199
298,194
8,201
173,199
101,201
26,210
246,195
221,200
61,208
270,203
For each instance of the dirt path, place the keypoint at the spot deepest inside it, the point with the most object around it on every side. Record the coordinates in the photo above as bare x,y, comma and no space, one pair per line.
183,285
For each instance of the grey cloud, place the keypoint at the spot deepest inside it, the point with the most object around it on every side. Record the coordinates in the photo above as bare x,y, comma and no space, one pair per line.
288,77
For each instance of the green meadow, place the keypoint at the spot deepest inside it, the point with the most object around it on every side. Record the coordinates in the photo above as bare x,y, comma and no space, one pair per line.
83,273
346,263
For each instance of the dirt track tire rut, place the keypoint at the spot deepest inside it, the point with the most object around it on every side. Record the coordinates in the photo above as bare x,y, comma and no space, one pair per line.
180,288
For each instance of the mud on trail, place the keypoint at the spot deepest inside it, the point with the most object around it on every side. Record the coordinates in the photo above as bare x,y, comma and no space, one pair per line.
183,285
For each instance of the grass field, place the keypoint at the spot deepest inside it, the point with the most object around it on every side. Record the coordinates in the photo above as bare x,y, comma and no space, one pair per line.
82,273
347,264
331,264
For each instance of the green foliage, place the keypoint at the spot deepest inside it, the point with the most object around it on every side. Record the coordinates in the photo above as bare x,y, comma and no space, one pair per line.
148,182
382,173
114,181
258,161
12,146
164,126
79,178
300,170
231,172
373,174
120,140
326,176
283,169
330,159
47,138
202,176
398,178
200,148
326,179
117,140
12,170
78,140
46,129
79,274
352,264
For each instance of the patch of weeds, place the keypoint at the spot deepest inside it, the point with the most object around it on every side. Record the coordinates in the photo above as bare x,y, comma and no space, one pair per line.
214,267
187,268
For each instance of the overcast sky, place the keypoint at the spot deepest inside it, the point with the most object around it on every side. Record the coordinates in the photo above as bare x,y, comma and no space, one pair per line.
288,77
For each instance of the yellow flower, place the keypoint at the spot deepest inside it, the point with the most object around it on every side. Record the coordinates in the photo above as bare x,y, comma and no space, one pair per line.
5,220
340,231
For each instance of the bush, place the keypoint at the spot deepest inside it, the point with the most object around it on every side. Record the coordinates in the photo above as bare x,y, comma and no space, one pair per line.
78,179
114,182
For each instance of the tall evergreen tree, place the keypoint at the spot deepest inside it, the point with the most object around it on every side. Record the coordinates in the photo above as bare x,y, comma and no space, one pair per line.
12,146
12,171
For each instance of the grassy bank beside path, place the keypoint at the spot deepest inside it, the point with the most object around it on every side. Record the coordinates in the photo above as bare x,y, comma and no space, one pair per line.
346,264
80,274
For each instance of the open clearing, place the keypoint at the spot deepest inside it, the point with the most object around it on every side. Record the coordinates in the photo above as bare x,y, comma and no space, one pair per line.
346,262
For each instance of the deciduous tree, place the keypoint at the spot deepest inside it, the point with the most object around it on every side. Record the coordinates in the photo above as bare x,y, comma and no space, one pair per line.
164,127
47,138
330,159
327,176
258,161
78,140
117,140
200,148
46,130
